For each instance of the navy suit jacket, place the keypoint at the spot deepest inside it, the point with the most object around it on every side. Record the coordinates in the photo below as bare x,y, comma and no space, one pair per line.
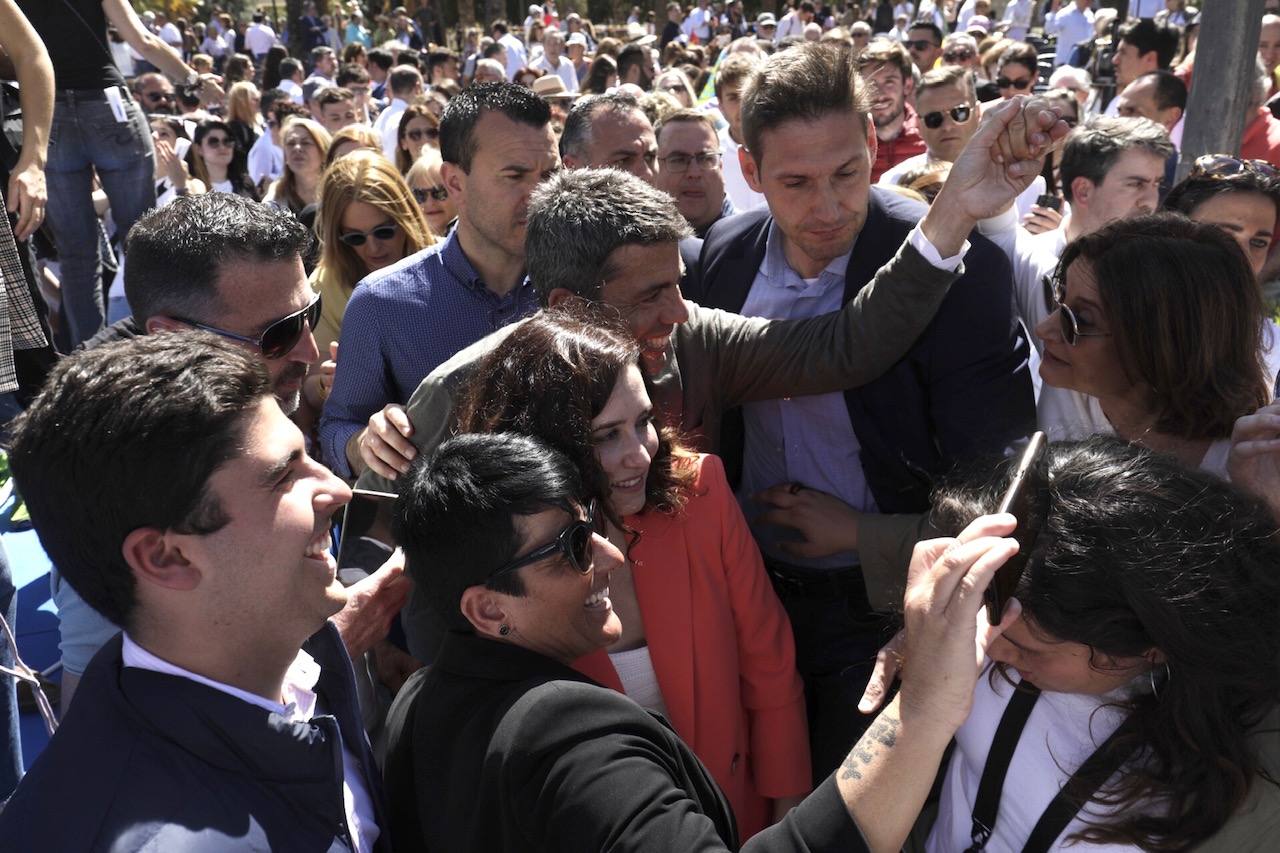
963,389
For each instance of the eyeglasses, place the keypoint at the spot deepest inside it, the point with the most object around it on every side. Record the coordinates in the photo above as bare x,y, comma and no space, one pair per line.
1226,166
381,233
1006,83
963,55
436,193
959,115
678,163
279,338
219,142
1070,323
573,543
919,44
418,134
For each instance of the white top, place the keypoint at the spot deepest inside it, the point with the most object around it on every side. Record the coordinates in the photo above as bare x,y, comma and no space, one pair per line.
564,70
735,185
1022,204
259,38
1018,14
298,692
387,125
1063,730
790,25
170,35
266,160
293,89
1071,27
639,681
517,56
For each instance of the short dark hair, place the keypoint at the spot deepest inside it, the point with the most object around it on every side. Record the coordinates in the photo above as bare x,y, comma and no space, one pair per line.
332,95
439,57
456,514
808,6
885,51
499,26
931,27
685,116
806,83
351,73
1146,35
1170,90
1093,147
492,49
319,53
269,99
576,135
458,123
404,79
632,54
127,435
289,67
176,251
945,77
1023,54
381,58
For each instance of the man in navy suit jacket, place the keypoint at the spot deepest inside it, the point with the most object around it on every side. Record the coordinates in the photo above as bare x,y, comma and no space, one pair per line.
962,390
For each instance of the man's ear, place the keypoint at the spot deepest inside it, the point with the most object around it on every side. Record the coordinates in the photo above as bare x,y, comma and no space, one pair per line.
483,609
156,557
559,296
163,323
1081,190
455,180
873,142
750,170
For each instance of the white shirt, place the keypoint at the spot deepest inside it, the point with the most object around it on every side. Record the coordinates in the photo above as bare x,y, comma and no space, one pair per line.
1018,14
259,38
790,25
214,44
387,126
170,35
294,90
1072,27
564,70
517,56
699,24
1145,8
967,11
1063,730
298,692
735,185
266,159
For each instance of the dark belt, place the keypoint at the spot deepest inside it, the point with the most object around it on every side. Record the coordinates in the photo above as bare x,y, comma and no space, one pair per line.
71,95
842,582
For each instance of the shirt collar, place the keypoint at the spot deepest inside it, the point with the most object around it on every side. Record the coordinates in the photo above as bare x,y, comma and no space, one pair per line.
459,265
779,272
298,689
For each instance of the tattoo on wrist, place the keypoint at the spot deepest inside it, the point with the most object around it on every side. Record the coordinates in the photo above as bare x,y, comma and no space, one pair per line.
881,737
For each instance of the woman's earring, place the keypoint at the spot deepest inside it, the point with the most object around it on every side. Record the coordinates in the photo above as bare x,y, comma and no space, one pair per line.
1151,673
504,630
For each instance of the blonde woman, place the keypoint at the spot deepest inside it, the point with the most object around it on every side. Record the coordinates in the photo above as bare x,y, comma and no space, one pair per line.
244,114
427,183
353,137
305,145
368,219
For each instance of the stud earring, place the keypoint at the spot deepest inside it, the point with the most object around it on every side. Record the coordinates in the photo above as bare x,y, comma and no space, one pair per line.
504,630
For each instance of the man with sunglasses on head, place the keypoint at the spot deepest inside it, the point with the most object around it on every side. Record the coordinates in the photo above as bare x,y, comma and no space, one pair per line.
227,265
886,68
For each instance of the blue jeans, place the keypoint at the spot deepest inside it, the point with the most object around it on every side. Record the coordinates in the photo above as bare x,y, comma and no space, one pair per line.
85,138
11,755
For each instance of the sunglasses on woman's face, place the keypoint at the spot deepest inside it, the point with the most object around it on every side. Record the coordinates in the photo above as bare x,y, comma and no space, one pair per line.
418,134
573,543
436,193
959,115
1020,83
218,142
279,338
381,233
957,55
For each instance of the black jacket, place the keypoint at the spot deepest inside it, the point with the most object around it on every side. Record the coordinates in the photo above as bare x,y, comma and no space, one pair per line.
963,389
497,748
153,762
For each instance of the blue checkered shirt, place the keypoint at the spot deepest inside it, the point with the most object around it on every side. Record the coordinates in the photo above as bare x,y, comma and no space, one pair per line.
401,323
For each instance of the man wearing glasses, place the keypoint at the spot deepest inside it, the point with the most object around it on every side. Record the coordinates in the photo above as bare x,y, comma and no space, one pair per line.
924,43
689,168
156,94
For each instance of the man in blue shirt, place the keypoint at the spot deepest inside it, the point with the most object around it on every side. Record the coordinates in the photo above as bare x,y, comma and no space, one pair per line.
404,320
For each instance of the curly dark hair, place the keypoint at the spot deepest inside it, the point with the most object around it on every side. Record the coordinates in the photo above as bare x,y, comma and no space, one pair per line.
1137,552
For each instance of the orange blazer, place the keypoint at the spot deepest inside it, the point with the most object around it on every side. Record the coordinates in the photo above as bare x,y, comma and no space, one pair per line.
721,647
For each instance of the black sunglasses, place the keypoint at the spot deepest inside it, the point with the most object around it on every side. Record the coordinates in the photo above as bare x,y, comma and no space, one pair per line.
1006,83
278,339
358,238
219,142
959,114
573,542
963,55
919,44
418,134
1067,319
436,193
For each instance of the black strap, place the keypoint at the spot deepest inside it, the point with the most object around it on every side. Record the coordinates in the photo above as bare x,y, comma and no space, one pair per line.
987,804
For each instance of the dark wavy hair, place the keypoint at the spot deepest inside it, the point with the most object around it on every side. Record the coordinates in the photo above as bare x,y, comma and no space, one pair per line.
548,379
1138,552
1186,313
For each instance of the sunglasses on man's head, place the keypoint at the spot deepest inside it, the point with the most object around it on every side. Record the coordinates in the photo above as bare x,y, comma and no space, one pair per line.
418,134
1003,82
279,338
1226,166
959,115
573,543
358,238
919,44
436,193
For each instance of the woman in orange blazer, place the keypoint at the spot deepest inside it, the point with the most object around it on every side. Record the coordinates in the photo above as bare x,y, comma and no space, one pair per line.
705,640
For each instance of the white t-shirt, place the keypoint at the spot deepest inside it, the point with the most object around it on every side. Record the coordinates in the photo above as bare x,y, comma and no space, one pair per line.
259,38
170,35
564,69
735,185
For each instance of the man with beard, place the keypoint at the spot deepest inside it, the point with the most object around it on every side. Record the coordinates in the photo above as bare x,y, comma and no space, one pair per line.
886,68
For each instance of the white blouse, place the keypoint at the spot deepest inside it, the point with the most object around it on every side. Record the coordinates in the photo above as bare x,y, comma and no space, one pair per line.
639,681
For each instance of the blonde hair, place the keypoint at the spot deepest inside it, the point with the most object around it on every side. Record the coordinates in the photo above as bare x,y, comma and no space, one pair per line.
284,186
368,177
361,134
238,104
429,159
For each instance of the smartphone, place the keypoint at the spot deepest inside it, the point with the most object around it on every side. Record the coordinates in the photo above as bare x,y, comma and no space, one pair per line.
1050,201
1023,500
367,541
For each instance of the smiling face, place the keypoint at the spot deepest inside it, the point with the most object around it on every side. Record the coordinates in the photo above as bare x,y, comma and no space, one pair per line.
626,440
1250,219
698,189
815,176
269,568
947,140
563,614
1060,666
889,93
374,253
644,285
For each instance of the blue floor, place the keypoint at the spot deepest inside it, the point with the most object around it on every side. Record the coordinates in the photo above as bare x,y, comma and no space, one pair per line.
37,627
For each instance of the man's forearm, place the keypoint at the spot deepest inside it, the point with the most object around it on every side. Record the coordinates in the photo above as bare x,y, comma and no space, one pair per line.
888,774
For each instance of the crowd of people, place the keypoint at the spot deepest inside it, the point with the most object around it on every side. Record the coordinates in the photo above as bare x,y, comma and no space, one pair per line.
686,364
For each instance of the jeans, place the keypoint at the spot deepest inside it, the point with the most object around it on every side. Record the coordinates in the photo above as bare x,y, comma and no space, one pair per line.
11,756
85,138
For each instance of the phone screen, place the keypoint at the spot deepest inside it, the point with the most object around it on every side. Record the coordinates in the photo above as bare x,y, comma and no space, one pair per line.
1022,500
367,541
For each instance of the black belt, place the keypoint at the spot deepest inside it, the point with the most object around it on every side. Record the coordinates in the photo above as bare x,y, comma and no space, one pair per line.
69,95
814,583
